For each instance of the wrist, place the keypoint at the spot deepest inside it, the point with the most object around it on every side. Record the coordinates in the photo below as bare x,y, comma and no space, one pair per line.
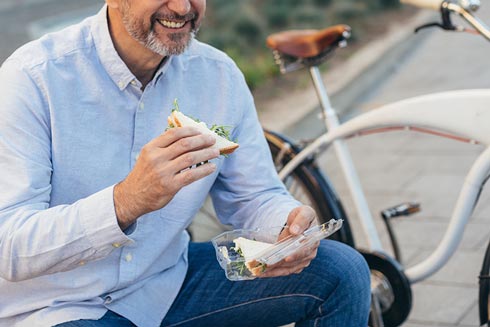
126,214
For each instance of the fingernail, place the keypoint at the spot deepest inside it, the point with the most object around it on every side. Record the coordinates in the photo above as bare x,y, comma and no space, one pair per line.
294,229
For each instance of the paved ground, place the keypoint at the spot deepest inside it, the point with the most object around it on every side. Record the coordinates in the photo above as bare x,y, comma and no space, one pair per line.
430,170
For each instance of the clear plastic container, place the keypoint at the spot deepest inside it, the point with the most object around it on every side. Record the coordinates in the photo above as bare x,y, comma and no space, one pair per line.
232,262
235,265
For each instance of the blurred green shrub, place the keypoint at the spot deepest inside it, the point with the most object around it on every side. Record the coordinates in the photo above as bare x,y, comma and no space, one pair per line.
322,2
248,27
240,27
390,3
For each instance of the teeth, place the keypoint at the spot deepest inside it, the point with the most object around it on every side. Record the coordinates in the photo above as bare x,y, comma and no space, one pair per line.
170,24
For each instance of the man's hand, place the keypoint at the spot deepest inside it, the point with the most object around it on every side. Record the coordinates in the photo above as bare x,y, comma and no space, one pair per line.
162,170
299,220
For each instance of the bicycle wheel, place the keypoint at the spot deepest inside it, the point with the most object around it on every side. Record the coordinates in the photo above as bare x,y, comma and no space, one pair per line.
308,185
484,292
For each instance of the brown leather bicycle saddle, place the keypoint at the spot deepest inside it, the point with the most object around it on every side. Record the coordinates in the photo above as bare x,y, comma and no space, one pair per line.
306,43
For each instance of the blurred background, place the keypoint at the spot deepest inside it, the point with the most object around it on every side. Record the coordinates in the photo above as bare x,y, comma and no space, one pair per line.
239,27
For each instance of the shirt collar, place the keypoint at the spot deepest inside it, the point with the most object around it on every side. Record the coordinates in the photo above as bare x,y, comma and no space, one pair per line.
108,56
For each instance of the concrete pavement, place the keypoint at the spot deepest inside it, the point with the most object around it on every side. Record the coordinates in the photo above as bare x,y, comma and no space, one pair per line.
414,167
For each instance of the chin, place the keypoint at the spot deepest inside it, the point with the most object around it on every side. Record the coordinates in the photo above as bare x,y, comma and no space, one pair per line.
174,44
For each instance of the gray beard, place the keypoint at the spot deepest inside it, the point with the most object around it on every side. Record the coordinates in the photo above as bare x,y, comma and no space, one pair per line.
154,44
151,41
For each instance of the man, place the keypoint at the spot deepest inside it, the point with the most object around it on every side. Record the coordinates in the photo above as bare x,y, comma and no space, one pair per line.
95,197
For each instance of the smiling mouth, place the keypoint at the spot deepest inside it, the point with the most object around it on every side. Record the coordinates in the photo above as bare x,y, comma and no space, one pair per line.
171,24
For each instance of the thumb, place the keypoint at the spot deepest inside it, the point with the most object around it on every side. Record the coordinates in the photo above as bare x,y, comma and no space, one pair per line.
300,219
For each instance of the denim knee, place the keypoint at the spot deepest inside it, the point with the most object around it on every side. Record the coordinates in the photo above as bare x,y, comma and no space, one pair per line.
353,290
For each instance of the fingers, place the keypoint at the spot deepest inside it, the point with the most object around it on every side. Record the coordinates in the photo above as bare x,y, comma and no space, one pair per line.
285,269
173,135
161,170
293,264
189,176
299,220
189,159
307,253
192,143
183,147
187,146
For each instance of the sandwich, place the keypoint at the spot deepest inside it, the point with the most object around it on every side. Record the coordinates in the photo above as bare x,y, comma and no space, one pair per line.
220,133
249,249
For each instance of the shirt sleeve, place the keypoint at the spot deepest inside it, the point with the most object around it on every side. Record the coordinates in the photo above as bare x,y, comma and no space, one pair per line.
36,239
248,192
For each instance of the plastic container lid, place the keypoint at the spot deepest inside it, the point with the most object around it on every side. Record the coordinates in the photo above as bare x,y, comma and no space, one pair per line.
237,268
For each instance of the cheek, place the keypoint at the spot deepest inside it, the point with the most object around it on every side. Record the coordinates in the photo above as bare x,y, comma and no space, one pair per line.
200,7
145,23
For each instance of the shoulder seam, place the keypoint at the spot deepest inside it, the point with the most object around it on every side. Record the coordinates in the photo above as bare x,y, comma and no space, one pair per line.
34,64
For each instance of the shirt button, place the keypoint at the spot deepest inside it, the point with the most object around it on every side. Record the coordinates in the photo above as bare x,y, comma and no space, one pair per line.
121,84
142,106
116,245
133,82
128,257
137,155
108,299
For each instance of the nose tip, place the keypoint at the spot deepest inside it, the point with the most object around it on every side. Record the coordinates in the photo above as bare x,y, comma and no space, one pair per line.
180,7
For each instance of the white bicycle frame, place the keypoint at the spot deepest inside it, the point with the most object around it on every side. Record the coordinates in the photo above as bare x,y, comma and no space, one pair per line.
463,115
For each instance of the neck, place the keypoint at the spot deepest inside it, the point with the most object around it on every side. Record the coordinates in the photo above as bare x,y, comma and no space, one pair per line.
141,61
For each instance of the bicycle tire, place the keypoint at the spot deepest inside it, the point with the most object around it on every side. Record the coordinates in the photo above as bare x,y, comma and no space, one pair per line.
307,184
484,290
392,272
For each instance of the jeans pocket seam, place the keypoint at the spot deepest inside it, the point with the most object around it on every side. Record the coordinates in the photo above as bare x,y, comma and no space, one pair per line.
316,298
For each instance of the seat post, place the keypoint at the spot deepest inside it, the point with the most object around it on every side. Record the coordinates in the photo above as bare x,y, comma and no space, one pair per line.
329,116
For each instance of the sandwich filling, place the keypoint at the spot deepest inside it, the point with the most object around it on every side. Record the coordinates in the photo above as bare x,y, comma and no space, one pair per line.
220,132
249,249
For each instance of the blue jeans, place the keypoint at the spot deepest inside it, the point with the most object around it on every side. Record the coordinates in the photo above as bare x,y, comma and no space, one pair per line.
333,291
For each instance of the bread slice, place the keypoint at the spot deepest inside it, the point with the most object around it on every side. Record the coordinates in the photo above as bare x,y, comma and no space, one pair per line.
178,119
249,249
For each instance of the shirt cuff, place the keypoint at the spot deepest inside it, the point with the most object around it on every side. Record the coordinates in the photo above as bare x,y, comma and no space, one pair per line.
98,218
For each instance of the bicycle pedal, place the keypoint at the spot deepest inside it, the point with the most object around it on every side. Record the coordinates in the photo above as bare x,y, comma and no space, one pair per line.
403,209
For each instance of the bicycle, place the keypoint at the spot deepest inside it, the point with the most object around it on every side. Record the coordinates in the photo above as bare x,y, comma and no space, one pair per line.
297,165
391,282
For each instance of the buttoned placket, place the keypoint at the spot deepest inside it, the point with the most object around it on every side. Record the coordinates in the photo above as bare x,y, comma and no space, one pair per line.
139,129
127,267
139,125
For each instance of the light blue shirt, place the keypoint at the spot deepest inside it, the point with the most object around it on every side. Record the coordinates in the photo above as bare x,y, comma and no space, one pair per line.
73,119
